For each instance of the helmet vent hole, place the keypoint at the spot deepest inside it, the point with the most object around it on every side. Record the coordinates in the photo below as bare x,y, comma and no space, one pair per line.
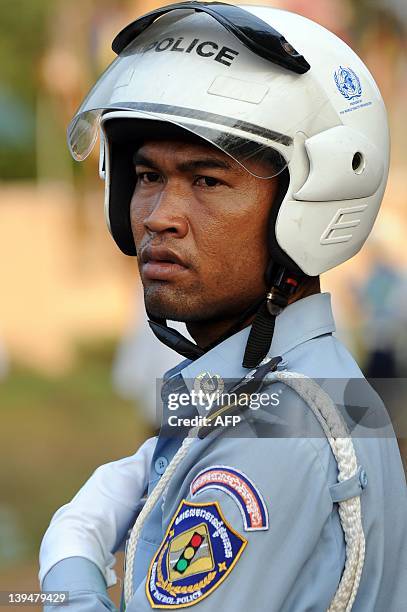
358,163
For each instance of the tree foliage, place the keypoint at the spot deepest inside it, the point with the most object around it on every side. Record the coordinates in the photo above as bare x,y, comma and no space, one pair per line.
23,36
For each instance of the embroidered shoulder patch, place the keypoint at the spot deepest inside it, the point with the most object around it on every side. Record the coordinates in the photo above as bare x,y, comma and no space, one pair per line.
240,488
197,553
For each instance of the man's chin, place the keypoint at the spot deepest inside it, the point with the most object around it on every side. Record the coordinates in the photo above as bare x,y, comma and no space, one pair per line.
164,303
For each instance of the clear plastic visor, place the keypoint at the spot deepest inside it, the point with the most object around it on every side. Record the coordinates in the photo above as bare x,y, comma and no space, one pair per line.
259,158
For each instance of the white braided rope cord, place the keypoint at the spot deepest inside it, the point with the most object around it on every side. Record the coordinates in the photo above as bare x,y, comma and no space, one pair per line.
349,511
148,506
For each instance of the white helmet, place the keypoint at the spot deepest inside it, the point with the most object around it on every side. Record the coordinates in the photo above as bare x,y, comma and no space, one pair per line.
253,81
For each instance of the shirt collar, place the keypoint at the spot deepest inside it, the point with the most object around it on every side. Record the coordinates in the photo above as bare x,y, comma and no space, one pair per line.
303,320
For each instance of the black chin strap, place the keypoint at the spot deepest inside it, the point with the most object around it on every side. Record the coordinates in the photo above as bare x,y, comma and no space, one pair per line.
176,341
260,337
284,285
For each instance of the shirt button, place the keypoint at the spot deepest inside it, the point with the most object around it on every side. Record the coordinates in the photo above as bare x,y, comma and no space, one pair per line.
363,479
160,465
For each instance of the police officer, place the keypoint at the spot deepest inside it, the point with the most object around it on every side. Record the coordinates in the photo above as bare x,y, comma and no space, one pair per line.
245,152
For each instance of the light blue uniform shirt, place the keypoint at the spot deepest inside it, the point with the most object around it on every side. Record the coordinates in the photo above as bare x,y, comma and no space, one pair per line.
295,561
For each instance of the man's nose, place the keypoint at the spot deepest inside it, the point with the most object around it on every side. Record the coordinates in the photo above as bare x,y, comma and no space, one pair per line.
165,215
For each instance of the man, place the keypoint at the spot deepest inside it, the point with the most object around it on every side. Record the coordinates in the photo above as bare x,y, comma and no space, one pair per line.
245,152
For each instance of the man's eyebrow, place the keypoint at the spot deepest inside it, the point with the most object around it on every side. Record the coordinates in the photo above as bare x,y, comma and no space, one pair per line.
194,164
141,160
200,164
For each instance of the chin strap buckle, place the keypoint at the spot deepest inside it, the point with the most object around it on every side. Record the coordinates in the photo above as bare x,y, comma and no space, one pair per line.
284,285
280,293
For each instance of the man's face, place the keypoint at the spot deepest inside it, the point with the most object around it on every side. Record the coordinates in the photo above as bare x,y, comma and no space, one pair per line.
199,221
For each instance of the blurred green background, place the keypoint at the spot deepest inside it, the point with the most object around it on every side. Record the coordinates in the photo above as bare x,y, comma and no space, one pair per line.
68,295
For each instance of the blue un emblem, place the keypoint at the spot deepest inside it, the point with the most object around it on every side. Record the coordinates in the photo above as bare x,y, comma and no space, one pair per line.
348,83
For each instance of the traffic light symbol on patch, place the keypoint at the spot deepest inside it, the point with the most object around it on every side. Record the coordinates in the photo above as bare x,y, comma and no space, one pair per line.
189,552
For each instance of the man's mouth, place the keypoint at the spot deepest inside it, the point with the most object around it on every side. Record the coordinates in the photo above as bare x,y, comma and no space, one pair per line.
161,263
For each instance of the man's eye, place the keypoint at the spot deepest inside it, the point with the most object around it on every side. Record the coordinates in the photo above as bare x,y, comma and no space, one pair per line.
207,181
148,177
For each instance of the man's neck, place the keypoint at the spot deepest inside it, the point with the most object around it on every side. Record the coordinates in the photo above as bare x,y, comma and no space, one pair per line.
206,333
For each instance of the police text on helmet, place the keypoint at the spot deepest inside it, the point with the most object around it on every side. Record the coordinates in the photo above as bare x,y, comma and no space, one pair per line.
207,48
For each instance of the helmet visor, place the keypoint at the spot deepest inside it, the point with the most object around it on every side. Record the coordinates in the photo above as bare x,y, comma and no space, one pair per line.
255,155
